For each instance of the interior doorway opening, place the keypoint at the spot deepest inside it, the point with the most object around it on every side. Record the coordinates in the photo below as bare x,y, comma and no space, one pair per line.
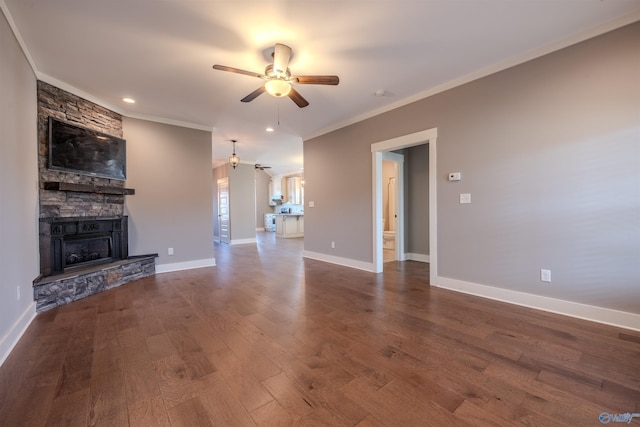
393,215
382,149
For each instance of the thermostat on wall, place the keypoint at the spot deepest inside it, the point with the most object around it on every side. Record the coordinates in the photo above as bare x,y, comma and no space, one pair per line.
454,176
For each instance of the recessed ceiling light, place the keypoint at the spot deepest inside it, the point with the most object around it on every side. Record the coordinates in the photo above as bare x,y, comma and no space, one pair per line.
129,100
269,129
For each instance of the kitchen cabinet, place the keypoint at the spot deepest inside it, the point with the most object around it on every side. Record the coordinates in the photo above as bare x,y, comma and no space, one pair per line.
275,192
294,190
289,225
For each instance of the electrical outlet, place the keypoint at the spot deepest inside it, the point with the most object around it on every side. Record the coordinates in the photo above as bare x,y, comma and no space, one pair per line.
545,275
333,245
170,251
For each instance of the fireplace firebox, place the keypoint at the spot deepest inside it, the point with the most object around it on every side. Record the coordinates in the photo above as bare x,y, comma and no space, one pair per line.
68,244
92,249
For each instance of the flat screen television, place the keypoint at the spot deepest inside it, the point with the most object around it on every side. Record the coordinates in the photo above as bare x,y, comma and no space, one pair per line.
80,150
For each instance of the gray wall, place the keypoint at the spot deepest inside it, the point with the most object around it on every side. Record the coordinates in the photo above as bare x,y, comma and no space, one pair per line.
549,151
337,175
170,169
18,188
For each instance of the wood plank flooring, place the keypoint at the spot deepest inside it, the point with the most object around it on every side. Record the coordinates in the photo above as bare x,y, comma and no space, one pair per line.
267,338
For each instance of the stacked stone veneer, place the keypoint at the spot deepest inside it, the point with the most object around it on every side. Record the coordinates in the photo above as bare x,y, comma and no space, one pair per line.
63,105
71,288
52,291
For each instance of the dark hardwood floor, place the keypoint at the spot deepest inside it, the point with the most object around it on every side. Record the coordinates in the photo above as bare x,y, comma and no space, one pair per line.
267,338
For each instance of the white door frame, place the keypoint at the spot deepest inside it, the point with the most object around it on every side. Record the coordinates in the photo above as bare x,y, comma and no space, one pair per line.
430,137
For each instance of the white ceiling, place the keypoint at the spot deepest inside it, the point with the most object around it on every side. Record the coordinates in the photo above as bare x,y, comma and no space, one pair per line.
161,52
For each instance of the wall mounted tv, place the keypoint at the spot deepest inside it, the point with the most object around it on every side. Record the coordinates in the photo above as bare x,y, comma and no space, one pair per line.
80,150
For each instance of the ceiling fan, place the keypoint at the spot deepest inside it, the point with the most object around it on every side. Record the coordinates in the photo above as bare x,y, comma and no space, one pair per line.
278,78
261,167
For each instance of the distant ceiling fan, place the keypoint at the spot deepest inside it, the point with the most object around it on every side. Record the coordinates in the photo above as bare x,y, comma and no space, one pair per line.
278,78
261,167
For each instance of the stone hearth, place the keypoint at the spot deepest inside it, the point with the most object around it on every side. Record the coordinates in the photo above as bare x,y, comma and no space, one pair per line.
53,291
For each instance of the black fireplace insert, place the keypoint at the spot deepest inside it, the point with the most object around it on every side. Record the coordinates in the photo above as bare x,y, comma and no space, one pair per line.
68,244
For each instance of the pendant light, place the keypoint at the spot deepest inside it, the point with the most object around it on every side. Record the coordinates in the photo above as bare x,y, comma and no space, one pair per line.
234,160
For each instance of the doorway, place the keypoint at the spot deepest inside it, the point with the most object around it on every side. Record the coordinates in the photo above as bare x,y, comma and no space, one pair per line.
383,148
393,216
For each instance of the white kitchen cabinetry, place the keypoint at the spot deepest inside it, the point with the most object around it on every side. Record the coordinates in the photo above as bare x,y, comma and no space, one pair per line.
289,226
294,190
275,192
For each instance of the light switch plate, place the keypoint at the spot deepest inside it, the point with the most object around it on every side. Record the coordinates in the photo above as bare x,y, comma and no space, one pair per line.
311,203
455,176
465,197
545,275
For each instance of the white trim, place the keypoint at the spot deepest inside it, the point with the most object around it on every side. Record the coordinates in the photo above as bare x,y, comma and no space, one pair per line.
116,108
186,265
429,136
260,229
417,257
591,313
433,209
11,338
484,72
243,241
475,75
18,36
346,262
405,141
165,121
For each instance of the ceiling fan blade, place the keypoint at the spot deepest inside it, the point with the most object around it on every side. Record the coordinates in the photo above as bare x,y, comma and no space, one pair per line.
281,57
316,80
238,71
297,98
253,95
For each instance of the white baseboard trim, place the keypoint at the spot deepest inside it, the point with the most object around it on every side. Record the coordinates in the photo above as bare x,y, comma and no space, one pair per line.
11,338
607,316
260,229
417,257
186,265
360,265
243,241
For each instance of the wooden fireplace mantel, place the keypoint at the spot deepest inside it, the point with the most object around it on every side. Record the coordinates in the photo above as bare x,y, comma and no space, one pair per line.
87,188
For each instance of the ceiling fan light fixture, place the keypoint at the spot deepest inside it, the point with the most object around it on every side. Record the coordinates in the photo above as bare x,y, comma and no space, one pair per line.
278,87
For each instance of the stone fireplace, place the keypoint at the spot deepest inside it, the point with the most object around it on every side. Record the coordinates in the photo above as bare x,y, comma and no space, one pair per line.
84,245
